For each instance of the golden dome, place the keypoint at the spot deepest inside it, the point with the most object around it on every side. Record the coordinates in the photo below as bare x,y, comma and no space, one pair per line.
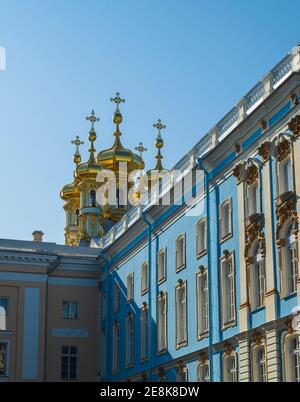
110,158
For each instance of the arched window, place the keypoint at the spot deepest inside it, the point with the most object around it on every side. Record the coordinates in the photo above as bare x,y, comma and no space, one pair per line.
201,245
259,366
291,262
180,252
230,368
203,372
145,278
257,279
291,357
93,198
252,199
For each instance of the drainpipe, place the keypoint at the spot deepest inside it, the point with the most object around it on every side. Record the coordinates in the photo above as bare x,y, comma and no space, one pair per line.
209,267
150,291
108,326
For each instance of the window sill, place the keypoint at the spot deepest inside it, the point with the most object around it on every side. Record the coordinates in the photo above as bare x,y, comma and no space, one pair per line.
161,281
181,345
178,269
162,352
144,292
229,324
257,309
225,238
202,336
201,254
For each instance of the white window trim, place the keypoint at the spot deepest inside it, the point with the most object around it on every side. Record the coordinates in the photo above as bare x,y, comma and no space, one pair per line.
225,236
249,207
280,179
254,351
286,358
201,333
225,360
183,342
130,276
183,265
231,322
252,279
200,253
200,367
162,296
182,372
163,252
147,329
145,290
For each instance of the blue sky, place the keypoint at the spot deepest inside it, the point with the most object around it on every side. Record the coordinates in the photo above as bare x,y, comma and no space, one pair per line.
185,61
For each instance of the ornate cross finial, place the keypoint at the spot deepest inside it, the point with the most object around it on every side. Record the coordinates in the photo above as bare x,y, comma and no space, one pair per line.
117,100
159,126
77,143
93,118
140,148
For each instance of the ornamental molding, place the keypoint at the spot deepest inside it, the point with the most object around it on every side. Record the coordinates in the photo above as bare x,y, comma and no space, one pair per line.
258,338
254,232
24,259
203,358
288,326
248,170
264,150
228,349
294,126
285,209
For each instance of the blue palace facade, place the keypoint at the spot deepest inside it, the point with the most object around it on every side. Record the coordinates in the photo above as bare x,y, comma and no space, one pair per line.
202,290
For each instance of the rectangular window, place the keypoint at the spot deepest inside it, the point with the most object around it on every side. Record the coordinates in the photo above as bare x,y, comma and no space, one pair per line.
286,173
180,253
70,310
162,323
258,285
144,333
261,375
129,340
116,298
202,304
3,360
181,315
230,373
226,219
144,278
130,287
161,265
102,352
116,347
69,360
252,199
203,373
228,290
182,375
201,237
295,359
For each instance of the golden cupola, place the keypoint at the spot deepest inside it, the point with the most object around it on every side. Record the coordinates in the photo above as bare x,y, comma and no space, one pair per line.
157,173
71,195
90,213
111,158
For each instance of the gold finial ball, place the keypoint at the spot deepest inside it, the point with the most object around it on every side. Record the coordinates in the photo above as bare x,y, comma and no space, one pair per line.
77,159
92,135
117,119
159,142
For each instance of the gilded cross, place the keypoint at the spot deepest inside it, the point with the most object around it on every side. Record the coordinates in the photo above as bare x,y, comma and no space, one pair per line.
93,118
77,143
117,100
140,148
159,126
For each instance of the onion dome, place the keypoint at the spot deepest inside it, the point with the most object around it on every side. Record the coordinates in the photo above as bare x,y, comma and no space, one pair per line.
159,144
89,169
110,158
70,191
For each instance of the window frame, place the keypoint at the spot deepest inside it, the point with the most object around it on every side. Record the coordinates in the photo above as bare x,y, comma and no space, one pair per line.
145,357
70,303
184,342
130,298
116,348
181,237
163,296
232,322
225,236
201,332
69,355
164,277
146,289
225,368
7,304
286,355
254,352
202,252
129,331
200,367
